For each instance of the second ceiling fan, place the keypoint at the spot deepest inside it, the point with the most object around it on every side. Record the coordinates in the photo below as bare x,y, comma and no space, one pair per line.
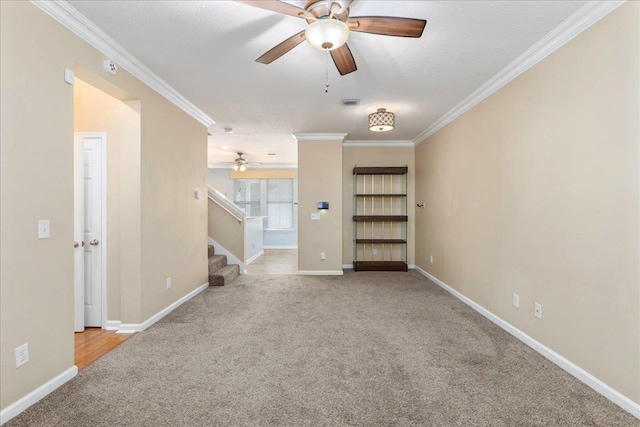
329,27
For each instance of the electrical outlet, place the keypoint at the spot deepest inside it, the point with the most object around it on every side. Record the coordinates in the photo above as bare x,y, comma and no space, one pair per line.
538,311
375,252
516,300
168,282
323,255
431,259
22,355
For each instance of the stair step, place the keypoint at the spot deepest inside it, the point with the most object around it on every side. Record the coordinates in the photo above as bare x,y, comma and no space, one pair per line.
224,276
211,251
216,262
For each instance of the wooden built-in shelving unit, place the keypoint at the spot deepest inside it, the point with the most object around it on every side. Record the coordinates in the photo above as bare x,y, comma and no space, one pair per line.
380,218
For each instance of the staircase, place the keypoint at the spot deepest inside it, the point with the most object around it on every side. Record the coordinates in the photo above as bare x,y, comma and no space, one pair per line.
221,273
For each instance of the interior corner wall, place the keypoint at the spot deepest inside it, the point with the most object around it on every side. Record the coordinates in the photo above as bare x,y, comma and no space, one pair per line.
320,180
36,160
375,156
536,191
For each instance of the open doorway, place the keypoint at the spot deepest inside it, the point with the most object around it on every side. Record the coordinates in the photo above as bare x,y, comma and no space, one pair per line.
98,125
270,194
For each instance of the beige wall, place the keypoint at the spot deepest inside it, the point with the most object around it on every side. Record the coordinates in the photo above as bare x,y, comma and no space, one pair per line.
174,223
36,155
95,111
320,180
375,156
535,191
226,230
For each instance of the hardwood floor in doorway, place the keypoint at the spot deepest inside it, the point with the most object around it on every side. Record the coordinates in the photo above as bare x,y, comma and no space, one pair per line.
94,343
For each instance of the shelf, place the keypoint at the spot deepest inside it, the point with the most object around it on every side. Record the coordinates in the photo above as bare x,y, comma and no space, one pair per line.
379,266
381,195
386,170
380,218
380,241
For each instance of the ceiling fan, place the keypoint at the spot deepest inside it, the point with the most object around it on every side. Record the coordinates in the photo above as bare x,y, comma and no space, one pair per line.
329,27
240,163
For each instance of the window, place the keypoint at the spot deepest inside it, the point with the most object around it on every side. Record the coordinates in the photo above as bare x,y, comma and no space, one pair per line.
279,203
272,198
246,195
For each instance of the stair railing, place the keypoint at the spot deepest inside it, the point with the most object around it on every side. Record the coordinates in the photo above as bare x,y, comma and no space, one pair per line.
222,201
245,242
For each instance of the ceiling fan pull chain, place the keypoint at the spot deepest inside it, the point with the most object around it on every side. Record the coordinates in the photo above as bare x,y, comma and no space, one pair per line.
326,84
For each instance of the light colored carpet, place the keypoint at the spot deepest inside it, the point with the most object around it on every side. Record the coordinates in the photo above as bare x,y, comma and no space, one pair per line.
360,349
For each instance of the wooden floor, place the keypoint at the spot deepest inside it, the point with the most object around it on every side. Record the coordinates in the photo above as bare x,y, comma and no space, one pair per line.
275,261
93,343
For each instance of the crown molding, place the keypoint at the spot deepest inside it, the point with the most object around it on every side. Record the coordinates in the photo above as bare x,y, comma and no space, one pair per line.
319,136
575,24
388,143
81,26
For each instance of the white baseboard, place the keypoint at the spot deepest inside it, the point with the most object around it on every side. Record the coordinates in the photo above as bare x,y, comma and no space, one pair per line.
350,266
23,403
279,247
112,325
610,393
320,272
128,328
255,257
231,258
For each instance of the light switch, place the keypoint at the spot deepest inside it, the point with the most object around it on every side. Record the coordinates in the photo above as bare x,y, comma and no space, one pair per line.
315,216
198,195
43,229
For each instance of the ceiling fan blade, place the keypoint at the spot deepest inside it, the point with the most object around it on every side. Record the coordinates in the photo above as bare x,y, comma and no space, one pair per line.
276,6
388,25
282,48
343,58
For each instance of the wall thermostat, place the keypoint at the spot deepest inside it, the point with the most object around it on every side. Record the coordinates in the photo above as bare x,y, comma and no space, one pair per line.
323,205
110,66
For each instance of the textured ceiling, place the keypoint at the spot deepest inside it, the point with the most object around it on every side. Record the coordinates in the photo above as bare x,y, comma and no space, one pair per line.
207,51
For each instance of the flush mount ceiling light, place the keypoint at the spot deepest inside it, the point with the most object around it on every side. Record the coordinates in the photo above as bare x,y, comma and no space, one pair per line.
327,34
382,120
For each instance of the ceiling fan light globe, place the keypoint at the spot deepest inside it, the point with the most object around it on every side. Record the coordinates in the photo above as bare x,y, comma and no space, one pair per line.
327,34
243,168
235,167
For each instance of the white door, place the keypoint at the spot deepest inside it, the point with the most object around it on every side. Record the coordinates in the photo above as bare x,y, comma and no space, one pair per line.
93,238
78,232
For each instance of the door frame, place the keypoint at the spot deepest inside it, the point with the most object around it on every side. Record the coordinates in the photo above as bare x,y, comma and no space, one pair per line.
103,171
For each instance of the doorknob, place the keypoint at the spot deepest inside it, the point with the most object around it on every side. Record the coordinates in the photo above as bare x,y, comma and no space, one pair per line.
94,242
76,244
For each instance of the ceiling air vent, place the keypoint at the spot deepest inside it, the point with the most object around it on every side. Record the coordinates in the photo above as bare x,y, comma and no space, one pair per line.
349,102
